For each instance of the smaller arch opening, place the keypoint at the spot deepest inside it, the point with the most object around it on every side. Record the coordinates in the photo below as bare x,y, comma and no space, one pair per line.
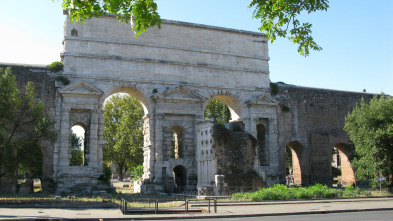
177,149
78,138
180,178
261,145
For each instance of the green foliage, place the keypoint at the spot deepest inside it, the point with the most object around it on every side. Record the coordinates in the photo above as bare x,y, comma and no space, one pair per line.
106,174
282,192
143,12
55,66
31,166
137,172
279,18
63,80
285,108
274,88
23,124
217,110
351,191
370,128
77,155
123,139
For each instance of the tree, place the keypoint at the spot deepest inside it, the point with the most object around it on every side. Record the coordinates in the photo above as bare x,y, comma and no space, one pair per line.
123,139
370,128
23,125
217,110
278,17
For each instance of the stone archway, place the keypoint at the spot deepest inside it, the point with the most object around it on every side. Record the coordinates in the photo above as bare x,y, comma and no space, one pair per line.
172,79
299,164
347,174
138,94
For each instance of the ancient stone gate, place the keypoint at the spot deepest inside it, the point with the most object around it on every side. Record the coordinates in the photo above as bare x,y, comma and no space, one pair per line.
173,72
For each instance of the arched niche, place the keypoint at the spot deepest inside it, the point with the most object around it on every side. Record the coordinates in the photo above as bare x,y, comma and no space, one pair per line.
78,144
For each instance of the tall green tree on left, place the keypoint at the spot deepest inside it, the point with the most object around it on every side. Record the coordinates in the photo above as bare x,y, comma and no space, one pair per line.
23,124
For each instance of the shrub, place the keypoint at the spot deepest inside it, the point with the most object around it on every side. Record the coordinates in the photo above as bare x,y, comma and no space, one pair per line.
106,174
285,108
55,66
351,191
63,80
282,192
274,88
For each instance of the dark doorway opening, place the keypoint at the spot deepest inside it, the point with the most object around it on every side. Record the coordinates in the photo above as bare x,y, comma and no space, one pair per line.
180,178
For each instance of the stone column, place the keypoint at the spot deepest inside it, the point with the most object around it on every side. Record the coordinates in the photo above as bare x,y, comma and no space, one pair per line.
93,147
157,155
64,136
100,136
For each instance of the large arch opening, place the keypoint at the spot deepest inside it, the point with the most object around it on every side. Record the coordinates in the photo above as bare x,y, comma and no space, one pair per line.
132,92
342,171
180,178
78,143
295,164
224,107
123,133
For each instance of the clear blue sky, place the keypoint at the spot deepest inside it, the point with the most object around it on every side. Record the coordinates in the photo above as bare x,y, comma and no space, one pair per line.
356,36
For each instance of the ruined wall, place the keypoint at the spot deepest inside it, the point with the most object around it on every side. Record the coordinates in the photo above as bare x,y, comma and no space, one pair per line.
44,83
311,121
235,150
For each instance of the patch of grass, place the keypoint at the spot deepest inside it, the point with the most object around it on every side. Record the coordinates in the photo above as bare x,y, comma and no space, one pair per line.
318,191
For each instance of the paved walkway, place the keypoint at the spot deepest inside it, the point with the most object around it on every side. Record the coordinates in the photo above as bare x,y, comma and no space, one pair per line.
224,210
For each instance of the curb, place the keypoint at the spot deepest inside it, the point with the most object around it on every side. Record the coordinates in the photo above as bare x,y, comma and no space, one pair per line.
241,215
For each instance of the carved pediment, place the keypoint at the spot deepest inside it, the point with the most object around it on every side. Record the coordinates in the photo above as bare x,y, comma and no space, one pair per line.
179,94
81,88
262,100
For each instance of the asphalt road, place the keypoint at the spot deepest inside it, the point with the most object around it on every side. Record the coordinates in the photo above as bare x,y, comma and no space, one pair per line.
358,216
